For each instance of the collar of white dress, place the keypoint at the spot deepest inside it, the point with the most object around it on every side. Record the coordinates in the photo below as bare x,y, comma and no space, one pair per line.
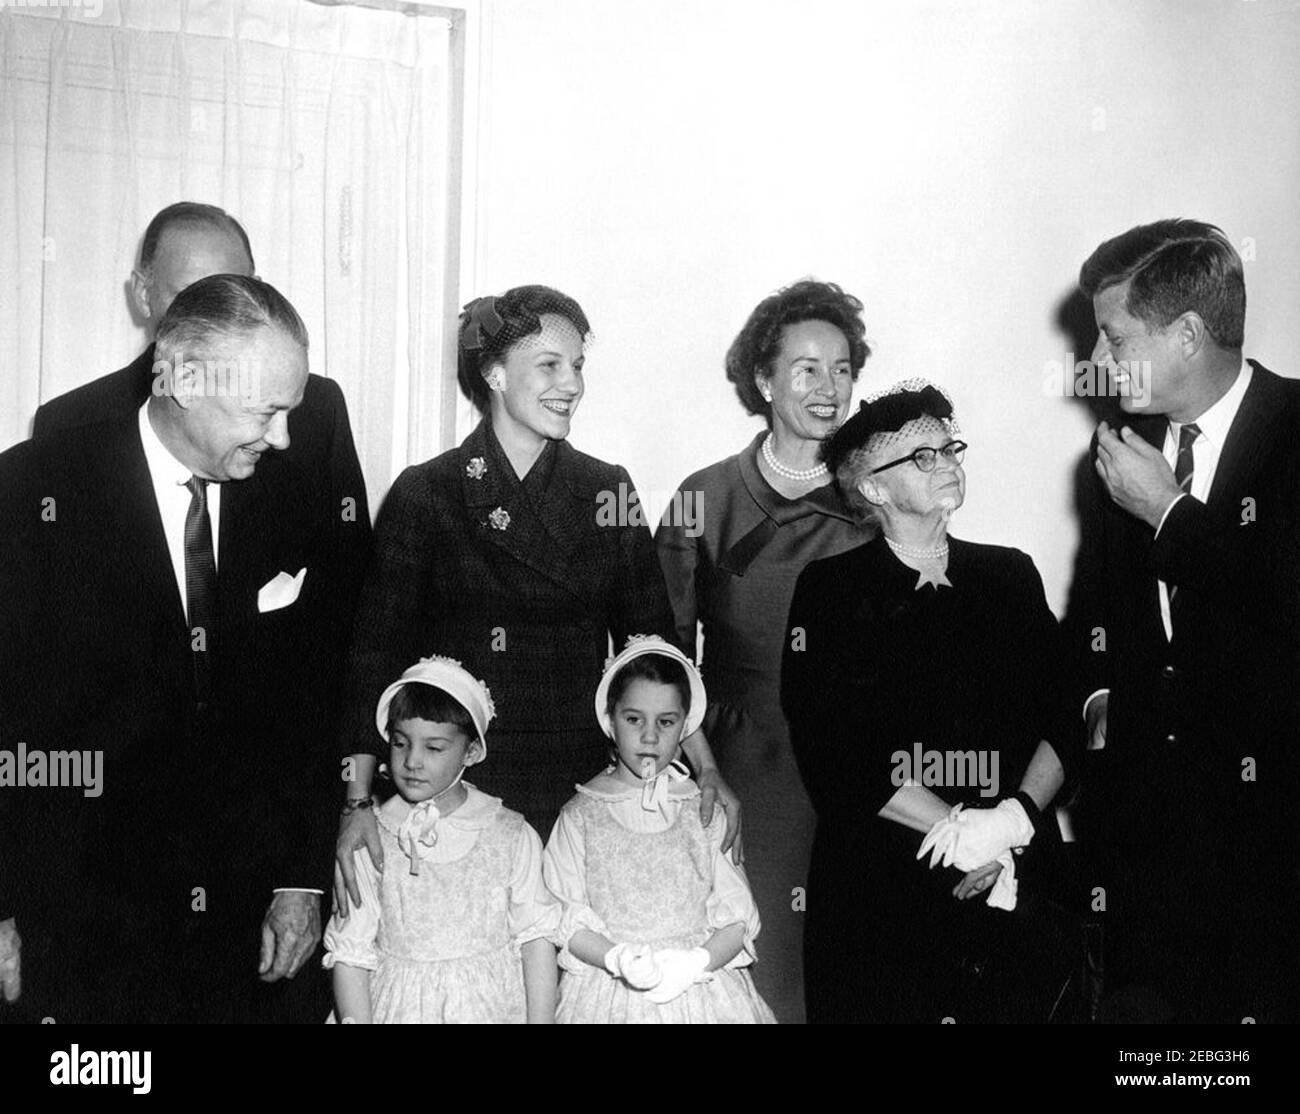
416,827
674,783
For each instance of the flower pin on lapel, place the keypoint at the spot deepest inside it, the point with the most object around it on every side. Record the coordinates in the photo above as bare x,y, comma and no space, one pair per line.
476,468
499,518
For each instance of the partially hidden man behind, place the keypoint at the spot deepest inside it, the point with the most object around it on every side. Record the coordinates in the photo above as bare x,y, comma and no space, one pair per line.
176,612
1189,640
183,243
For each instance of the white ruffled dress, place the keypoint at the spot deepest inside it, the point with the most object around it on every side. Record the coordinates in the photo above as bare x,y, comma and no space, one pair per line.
648,877
443,944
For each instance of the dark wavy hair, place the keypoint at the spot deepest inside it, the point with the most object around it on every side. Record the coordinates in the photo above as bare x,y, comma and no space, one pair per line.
758,342
491,326
1175,266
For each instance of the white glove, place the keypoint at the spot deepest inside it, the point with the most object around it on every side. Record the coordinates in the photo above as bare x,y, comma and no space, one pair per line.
634,964
941,838
1003,894
977,836
681,968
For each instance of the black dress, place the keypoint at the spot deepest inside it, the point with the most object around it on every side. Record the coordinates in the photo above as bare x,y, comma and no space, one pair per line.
872,667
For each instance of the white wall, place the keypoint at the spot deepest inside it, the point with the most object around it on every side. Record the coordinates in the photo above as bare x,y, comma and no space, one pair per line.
950,162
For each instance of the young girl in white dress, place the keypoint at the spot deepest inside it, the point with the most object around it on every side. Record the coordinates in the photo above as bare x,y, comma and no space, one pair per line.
658,924
459,925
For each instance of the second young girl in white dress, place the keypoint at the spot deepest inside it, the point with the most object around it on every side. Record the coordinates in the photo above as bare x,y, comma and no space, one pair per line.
658,924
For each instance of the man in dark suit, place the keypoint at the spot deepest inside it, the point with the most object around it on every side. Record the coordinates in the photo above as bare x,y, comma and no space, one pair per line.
185,242
176,603
1188,640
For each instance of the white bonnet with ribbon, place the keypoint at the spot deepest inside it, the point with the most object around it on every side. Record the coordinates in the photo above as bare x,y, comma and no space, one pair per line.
452,678
637,646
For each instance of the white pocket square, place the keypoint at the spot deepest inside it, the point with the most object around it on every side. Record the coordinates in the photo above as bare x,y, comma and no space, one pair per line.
280,591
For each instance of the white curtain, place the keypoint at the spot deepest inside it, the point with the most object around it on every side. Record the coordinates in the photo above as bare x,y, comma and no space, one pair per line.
324,129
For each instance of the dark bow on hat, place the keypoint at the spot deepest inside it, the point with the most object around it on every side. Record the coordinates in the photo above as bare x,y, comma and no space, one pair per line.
481,322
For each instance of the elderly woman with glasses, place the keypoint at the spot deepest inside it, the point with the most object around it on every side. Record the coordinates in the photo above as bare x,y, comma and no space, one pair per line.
921,678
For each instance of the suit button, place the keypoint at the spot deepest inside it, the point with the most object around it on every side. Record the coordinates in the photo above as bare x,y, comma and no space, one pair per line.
1171,739
1169,671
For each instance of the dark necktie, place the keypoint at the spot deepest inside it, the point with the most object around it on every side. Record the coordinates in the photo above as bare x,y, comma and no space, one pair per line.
200,588
1187,436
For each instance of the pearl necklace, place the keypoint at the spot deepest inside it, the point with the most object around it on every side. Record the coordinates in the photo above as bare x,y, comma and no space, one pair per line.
938,553
799,476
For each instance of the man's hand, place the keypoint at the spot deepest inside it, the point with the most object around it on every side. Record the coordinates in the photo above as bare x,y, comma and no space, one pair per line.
977,880
290,933
715,791
1096,721
1135,473
357,829
11,961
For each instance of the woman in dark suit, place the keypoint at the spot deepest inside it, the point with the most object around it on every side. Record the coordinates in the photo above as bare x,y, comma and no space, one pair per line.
921,672
765,513
497,553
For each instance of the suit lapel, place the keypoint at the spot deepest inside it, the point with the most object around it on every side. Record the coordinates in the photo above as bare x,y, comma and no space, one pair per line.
538,523
131,510
1153,429
487,482
564,500
248,519
1137,537
1249,431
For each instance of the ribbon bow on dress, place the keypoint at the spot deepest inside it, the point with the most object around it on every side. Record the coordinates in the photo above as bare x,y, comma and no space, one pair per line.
419,829
932,571
654,794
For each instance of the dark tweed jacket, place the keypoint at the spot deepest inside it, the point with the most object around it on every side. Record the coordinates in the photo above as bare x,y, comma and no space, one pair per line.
520,581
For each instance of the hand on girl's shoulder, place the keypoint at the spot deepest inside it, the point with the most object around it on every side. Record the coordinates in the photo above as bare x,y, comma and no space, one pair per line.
717,825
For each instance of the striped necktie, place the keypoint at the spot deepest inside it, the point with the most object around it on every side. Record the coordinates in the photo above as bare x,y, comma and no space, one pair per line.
200,588
1187,436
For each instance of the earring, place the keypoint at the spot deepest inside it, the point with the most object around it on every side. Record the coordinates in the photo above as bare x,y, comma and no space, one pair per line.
496,379
766,392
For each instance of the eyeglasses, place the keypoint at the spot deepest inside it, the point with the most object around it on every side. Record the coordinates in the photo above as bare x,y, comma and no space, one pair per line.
925,457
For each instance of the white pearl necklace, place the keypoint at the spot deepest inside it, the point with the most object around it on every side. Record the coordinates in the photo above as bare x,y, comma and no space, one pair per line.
938,553
799,476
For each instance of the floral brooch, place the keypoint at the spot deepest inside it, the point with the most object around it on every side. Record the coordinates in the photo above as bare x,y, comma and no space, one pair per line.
499,519
476,468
